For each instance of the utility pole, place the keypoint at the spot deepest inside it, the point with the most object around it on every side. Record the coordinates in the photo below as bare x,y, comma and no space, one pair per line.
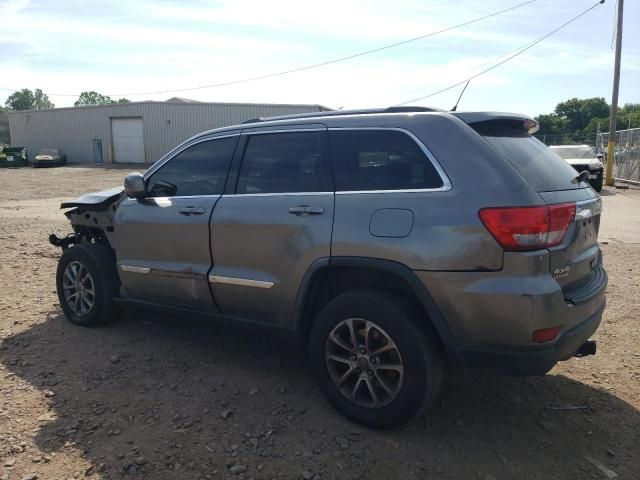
614,98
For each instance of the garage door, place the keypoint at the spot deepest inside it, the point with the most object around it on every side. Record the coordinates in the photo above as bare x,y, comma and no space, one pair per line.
128,140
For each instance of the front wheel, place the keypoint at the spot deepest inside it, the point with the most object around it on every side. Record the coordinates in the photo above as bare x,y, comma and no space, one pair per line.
374,358
87,283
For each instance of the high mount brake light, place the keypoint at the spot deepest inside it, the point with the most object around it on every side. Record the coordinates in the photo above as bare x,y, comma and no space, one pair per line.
531,126
528,228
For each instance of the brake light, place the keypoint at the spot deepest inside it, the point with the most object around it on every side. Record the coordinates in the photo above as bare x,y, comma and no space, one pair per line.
528,228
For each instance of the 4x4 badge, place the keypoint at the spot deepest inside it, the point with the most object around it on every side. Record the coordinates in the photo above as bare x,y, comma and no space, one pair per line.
563,272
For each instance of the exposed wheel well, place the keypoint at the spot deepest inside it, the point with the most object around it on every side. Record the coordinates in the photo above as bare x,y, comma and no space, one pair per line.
330,281
93,235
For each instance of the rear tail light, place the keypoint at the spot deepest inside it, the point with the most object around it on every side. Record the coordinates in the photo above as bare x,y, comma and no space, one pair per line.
528,228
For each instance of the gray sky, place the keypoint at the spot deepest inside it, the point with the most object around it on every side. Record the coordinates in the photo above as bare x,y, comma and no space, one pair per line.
123,47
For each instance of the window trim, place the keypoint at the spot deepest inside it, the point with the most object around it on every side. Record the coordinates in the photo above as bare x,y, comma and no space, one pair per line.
277,194
446,183
181,148
288,130
325,157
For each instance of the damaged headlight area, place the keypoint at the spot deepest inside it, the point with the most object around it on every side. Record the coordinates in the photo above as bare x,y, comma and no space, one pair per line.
91,217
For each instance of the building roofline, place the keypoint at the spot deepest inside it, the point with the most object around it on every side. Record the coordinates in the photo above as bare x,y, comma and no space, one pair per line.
320,108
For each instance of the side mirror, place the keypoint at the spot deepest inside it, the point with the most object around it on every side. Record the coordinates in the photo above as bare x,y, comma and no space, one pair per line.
134,185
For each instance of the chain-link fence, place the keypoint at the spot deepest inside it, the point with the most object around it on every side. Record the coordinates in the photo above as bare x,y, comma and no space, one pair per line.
627,153
588,138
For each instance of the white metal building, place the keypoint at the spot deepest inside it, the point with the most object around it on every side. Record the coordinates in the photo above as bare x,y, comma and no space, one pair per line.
137,132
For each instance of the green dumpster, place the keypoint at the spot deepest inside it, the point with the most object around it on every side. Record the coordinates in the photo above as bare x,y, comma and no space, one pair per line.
13,157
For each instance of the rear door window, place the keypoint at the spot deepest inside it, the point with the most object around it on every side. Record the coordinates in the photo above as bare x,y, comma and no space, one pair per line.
380,160
282,163
536,162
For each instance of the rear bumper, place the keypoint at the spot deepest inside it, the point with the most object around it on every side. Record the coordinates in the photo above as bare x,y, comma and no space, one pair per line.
492,315
42,163
533,360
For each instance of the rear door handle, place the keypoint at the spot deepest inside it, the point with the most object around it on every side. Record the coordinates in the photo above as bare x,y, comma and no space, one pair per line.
191,211
304,210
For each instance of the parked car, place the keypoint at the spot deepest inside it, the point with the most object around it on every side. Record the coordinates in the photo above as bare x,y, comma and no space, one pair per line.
50,156
366,234
582,157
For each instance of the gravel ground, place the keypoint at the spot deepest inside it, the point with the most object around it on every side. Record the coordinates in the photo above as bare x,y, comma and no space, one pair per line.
163,398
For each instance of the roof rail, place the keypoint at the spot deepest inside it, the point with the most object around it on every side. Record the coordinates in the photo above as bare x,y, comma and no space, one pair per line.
336,113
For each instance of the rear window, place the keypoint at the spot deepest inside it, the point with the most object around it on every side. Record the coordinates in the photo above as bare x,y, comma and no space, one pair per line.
542,168
380,160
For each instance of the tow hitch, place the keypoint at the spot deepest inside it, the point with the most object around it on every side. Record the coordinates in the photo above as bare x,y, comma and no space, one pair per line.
586,349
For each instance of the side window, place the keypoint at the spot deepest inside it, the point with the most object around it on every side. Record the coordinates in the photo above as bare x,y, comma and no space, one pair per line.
282,162
380,160
199,170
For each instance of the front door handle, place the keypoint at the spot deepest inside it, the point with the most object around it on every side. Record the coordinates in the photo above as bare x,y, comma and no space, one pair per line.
192,211
304,210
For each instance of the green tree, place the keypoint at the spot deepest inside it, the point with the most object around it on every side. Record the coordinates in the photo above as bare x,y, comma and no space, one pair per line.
124,100
598,124
92,98
630,108
25,99
95,98
550,123
628,117
579,112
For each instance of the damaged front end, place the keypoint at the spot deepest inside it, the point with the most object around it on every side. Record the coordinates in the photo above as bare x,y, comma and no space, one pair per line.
91,218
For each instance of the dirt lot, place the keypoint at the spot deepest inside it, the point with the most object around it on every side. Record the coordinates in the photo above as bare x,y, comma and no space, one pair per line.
160,398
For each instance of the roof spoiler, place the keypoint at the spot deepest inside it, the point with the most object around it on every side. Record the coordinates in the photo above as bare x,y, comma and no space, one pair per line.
512,120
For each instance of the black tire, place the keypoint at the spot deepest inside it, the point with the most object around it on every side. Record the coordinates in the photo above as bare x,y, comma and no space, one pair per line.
417,344
597,183
99,261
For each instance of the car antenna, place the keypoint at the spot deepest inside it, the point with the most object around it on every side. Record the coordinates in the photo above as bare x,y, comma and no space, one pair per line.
461,93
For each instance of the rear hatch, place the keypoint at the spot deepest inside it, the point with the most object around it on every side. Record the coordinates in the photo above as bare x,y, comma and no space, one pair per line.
575,259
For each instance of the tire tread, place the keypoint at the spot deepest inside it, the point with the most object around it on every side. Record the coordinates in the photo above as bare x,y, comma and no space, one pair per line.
104,267
429,352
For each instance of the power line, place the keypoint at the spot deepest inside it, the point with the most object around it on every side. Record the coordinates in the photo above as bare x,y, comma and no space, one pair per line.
613,31
488,62
306,67
518,51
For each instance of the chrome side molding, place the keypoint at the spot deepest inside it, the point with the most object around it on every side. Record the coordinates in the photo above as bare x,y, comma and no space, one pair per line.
134,269
243,282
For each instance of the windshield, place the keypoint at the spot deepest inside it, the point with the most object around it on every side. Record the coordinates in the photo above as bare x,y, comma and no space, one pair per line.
572,152
48,151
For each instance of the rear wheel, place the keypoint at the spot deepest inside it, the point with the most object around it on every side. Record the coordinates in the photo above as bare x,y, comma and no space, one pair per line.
372,360
87,282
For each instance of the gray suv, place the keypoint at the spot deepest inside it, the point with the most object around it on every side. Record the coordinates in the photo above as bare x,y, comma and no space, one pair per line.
391,242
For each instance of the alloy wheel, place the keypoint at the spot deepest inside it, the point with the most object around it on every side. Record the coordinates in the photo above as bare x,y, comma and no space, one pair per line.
79,288
364,363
